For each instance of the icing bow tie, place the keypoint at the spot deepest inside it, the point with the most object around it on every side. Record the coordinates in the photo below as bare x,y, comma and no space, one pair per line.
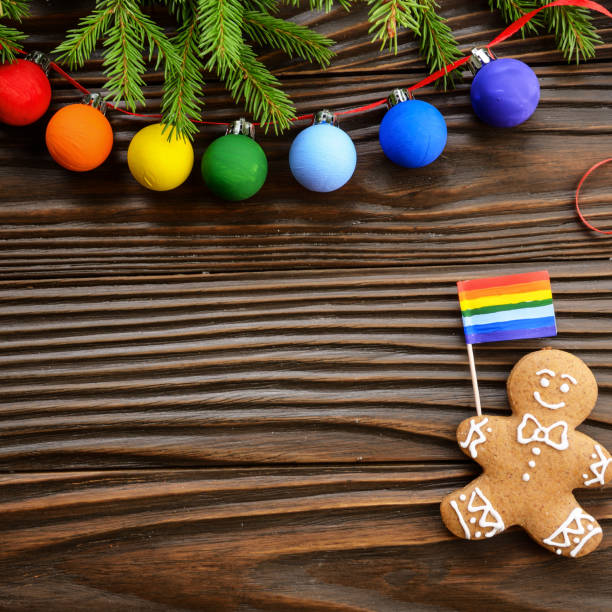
555,435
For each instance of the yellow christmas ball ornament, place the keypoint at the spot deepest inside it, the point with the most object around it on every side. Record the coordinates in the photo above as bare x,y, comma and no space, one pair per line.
157,163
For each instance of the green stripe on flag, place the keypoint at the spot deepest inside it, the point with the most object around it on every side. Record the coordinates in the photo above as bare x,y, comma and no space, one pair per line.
503,307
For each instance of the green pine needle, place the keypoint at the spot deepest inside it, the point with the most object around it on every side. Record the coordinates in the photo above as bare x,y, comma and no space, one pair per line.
438,45
10,37
184,87
511,10
251,81
386,16
575,34
220,22
292,38
573,28
81,41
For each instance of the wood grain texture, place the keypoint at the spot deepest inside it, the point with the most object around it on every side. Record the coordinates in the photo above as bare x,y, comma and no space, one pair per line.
307,367
350,539
211,406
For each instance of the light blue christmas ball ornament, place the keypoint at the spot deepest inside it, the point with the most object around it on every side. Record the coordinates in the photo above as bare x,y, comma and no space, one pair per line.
322,157
412,133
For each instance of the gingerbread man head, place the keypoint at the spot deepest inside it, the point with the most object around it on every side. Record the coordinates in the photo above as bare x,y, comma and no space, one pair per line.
554,385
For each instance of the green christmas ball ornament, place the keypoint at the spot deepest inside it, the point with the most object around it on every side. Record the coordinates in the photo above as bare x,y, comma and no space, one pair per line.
234,167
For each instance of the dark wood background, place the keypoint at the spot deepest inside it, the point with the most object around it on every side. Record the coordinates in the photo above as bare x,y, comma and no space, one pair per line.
212,406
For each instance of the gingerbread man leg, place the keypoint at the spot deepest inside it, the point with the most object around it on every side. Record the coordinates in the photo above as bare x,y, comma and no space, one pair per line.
565,528
475,512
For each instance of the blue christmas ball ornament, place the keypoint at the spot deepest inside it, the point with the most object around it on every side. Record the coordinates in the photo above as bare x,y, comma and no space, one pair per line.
322,157
412,133
505,92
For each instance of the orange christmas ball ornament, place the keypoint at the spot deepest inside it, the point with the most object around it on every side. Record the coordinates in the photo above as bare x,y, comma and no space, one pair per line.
79,136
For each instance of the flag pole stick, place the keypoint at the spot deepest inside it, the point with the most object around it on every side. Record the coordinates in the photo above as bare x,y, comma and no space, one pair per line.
474,379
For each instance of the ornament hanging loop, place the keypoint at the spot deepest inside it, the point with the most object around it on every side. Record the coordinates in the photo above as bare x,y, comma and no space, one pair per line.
479,58
325,116
40,59
242,127
96,101
399,95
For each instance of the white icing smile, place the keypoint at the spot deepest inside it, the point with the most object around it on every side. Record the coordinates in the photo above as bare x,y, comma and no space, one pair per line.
538,398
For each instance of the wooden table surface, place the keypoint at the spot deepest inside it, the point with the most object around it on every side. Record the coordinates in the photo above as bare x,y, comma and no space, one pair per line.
212,406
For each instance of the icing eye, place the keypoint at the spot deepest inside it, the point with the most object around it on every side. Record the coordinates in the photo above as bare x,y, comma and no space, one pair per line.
544,381
564,388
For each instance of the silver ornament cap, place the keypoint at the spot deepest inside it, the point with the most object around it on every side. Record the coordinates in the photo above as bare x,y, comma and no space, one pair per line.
324,116
96,101
479,58
399,95
40,59
242,127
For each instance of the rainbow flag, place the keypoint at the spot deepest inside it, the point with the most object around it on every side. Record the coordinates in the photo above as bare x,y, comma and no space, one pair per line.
507,307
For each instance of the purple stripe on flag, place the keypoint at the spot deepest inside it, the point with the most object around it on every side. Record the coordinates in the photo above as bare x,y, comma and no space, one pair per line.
511,334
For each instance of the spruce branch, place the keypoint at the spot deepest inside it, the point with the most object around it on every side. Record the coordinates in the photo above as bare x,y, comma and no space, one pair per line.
81,41
127,32
511,10
438,45
10,37
292,38
221,38
575,34
184,87
251,81
386,16
572,26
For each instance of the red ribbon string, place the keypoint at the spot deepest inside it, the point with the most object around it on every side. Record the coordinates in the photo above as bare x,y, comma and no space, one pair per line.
507,33
582,218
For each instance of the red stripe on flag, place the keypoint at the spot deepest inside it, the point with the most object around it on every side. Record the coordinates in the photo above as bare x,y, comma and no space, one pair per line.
502,281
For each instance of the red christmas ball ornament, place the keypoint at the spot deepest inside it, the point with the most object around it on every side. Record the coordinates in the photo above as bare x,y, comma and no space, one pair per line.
79,136
25,92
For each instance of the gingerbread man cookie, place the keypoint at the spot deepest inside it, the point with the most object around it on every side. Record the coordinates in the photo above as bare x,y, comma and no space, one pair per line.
534,459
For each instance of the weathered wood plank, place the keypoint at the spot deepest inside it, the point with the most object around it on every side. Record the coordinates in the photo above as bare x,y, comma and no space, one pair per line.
304,367
335,538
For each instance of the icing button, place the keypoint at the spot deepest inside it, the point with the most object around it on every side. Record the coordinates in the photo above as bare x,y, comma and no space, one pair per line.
525,477
478,534
585,476
532,463
536,450
473,520
558,551
462,497
576,540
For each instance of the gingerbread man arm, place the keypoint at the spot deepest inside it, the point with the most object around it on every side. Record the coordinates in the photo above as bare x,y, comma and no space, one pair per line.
596,468
474,435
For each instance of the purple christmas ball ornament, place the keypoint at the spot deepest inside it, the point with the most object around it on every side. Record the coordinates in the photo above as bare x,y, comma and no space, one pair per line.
505,92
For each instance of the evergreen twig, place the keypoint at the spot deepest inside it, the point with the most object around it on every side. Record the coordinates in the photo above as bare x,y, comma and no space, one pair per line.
575,34
511,10
292,38
574,31
438,45
10,37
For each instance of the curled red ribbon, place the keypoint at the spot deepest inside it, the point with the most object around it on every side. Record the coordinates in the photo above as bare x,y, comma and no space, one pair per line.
585,176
